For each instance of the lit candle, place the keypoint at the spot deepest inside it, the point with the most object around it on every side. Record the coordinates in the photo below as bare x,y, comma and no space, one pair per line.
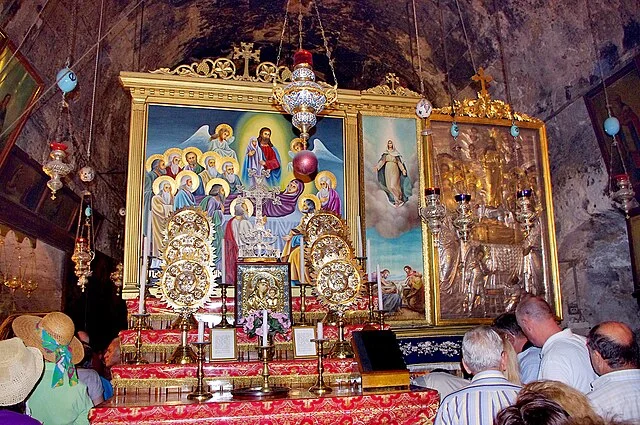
265,328
302,277
359,237
379,288
319,334
369,255
200,331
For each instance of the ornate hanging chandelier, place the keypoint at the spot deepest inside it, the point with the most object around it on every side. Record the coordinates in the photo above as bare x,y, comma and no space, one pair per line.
83,253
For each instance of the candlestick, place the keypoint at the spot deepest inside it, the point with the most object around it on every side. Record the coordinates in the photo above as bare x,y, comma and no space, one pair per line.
265,328
302,276
138,358
379,287
200,393
200,331
319,331
359,237
369,255
320,387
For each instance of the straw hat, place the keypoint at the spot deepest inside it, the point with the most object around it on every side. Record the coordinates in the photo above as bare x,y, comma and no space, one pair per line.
20,370
58,325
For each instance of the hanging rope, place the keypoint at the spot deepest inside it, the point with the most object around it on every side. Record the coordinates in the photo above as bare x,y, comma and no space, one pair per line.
443,37
466,37
415,25
505,71
95,83
326,44
284,28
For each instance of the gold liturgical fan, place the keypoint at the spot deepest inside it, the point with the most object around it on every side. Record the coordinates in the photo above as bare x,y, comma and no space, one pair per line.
188,276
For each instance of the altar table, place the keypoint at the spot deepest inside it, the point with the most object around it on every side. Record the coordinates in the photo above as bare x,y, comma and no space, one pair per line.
300,407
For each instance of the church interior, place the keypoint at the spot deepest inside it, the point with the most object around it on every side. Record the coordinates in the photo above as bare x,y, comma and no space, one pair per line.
426,104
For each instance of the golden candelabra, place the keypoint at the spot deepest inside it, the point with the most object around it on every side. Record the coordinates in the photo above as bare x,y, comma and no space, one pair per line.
140,324
381,314
223,312
320,387
200,393
342,348
303,302
266,390
183,353
372,318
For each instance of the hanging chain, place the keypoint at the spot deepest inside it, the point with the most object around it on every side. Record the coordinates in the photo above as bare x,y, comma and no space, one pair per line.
415,25
326,44
300,25
446,60
466,38
72,32
595,51
95,82
505,71
284,28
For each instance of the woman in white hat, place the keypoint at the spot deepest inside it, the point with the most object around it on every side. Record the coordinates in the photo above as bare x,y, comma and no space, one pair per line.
59,398
20,370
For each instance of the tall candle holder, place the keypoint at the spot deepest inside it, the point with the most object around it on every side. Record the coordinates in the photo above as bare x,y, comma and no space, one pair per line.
266,390
372,318
183,353
303,303
342,348
200,393
140,319
224,323
381,314
320,387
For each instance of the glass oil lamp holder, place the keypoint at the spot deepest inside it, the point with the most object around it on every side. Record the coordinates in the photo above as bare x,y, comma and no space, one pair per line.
320,387
303,303
140,325
200,392
525,211
624,197
433,212
464,219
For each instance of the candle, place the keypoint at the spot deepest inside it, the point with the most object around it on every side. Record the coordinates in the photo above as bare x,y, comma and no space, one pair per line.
200,331
141,300
302,276
359,237
265,328
369,255
319,334
143,273
380,306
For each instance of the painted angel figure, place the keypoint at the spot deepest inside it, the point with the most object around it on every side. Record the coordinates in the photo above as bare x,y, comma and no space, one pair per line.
319,149
218,142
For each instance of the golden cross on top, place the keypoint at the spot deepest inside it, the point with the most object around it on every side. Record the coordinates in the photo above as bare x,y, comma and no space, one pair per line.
392,80
484,79
246,52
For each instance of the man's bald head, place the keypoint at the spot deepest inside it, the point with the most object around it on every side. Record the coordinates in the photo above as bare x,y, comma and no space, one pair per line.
616,344
537,319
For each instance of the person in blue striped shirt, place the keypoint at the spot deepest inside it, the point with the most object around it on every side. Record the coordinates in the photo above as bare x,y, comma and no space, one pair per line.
489,390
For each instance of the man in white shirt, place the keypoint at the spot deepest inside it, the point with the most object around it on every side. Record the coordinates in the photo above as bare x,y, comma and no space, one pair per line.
528,354
565,357
615,356
489,391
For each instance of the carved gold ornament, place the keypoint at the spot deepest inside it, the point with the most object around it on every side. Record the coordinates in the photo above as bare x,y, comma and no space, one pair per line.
328,248
324,223
186,285
189,221
391,87
338,284
188,247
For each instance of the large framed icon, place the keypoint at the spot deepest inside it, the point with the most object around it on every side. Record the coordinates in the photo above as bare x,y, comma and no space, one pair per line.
263,286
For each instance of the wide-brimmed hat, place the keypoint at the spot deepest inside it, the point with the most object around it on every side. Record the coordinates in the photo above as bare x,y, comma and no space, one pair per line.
58,325
20,370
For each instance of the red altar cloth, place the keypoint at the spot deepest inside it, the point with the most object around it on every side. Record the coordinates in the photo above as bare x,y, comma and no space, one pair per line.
168,337
301,407
159,372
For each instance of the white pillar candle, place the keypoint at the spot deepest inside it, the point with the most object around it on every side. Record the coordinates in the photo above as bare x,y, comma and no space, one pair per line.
359,237
319,333
200,331
379,287
141,297
369,255
302,267
265,328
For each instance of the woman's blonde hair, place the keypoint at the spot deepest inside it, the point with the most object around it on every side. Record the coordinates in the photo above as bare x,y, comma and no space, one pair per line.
512,367
573,401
